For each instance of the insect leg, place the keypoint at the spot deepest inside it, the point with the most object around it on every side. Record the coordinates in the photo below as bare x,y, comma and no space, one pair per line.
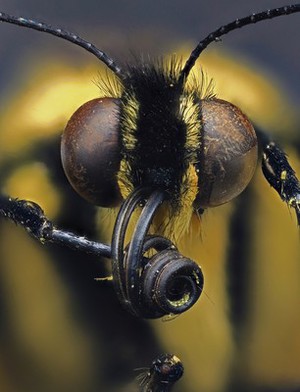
279,173
31,216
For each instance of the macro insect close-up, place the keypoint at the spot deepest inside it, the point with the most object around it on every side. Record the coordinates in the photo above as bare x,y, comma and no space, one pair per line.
157,186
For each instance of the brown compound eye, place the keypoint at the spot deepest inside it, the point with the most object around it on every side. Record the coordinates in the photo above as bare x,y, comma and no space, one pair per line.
90,151
228,155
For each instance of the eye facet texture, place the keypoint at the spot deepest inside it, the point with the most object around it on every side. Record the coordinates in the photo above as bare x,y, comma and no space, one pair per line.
228,153
90,151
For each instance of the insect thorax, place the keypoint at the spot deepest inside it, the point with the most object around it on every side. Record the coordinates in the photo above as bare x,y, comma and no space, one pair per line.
160,133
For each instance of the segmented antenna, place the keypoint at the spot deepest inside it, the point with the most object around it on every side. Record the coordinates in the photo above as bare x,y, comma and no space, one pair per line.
237,24
66,35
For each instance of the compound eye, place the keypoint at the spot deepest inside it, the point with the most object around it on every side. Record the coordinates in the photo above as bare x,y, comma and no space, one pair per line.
228,155
90,151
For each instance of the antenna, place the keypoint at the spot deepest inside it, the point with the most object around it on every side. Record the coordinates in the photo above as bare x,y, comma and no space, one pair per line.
237,24
66,35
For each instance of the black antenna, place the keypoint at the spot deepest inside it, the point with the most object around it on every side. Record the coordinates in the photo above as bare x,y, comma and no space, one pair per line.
66,35
237,24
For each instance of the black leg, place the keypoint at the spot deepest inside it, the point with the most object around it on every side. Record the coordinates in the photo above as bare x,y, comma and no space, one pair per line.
279,173
30,215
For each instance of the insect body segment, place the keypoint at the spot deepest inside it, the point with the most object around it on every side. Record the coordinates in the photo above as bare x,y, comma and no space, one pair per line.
165,371
153,143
